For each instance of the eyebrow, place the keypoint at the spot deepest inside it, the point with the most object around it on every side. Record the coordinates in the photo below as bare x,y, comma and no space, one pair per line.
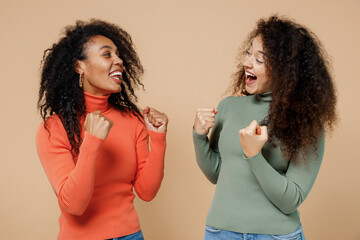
105,46
108,47
263,53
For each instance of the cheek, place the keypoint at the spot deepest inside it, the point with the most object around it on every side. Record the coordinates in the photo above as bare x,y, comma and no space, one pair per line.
99,67
263,74
263,71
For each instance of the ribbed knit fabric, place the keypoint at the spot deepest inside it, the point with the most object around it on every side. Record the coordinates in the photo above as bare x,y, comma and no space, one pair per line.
260,194
95,191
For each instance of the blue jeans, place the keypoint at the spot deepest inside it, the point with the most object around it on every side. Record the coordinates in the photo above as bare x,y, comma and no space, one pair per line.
218,234
135,236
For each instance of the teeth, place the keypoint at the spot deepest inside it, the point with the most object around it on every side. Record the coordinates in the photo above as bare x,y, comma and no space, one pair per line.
115,74
249,74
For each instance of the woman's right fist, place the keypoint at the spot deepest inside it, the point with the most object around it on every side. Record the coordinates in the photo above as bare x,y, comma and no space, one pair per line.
98,125
204,120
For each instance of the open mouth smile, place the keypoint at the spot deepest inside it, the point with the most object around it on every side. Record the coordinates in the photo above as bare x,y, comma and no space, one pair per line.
249,78
116,76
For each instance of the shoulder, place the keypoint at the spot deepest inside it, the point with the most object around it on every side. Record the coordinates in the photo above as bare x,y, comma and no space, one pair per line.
131,120
132,117
50,129
233,101
52,123
124,115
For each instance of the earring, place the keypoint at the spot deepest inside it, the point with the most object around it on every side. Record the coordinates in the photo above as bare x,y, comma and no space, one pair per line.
80,80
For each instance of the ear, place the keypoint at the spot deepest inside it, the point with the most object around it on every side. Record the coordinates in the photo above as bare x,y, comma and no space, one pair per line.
79,66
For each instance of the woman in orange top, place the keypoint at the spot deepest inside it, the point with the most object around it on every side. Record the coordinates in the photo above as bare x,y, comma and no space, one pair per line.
93,143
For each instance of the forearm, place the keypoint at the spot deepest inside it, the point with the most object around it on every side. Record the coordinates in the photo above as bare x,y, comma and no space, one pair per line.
73,184
151,171
282,192
208,160
76,190
288,191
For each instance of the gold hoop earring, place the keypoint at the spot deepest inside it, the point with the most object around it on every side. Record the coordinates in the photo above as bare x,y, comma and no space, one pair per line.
80,80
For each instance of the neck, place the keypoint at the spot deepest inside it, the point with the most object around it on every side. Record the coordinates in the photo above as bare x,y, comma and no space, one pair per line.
263,98
96,103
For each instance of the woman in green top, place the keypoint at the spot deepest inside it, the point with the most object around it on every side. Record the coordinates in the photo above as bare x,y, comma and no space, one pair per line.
267,139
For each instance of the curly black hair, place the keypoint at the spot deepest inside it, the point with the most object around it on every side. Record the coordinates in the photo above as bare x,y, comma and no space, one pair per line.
60,92
303,91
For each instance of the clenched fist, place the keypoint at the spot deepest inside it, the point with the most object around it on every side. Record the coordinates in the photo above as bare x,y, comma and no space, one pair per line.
154,120
98,125
204,120
253,138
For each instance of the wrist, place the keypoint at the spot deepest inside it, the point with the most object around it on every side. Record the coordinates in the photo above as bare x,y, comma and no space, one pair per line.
251,156
200,131
251,153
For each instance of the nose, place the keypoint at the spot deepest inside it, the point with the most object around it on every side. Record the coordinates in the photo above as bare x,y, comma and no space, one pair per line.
118,61
247,62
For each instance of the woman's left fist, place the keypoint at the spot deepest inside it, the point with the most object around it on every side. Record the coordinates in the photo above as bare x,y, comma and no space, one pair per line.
253,138
154,120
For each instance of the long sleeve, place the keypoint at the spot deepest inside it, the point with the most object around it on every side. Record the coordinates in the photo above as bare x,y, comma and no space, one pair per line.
265,189
73,183
96,190
288,191
207,152
150,169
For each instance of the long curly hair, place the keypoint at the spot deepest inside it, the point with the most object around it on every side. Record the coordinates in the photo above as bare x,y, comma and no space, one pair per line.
303,90
60,92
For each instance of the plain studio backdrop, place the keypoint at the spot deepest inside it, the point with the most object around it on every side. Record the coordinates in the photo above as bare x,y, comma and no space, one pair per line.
188,49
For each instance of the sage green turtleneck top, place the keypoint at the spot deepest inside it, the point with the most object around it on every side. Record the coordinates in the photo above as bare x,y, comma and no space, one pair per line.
260,194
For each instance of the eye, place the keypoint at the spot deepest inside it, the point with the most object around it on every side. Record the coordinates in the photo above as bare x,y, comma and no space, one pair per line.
248,52
259,61
107,54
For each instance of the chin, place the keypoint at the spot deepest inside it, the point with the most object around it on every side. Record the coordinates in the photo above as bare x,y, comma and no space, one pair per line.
250,90
115,90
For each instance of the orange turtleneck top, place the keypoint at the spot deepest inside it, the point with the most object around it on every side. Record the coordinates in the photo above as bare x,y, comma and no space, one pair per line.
95,191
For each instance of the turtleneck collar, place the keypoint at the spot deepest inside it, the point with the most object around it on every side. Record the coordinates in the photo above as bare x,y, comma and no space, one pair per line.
263,98
93,102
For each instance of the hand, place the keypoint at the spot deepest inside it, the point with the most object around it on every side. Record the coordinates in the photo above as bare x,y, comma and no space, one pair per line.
154,120
204,120
253,138
98,125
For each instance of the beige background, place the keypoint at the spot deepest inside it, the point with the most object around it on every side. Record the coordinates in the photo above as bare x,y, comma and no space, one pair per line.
188,49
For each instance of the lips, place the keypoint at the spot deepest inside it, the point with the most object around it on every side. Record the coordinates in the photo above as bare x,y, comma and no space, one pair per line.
250,78
116,76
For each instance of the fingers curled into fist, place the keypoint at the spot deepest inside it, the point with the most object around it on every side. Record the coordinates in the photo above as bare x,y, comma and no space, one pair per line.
97,124
204,120
253,138
154,120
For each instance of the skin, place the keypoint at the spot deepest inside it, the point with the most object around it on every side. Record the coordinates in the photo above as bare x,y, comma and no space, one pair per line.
204,120
102,59
154,120
98,125
254,136
254,63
